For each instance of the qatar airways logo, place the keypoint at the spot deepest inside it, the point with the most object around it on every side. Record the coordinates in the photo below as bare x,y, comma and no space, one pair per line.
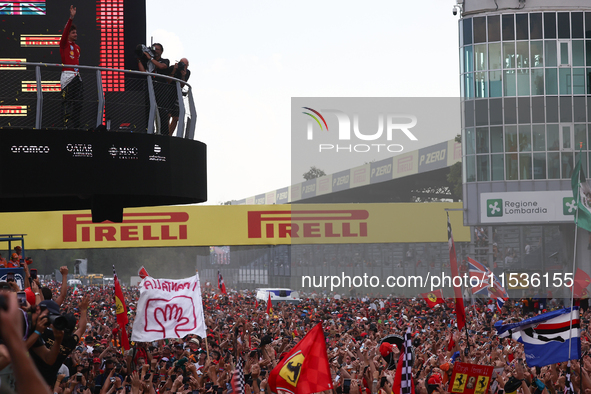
389,127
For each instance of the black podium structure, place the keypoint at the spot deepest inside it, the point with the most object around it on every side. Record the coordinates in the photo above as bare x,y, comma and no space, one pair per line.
53,169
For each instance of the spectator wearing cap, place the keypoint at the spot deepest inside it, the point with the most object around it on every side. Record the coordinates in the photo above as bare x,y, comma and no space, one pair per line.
18,250
102,378
14,261
3,262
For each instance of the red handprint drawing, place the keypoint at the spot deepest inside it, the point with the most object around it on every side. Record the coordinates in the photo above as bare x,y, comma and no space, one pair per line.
173,315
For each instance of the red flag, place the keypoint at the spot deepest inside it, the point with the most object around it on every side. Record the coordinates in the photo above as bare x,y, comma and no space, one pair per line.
256,305
121,311
453,260
581,281
305,368
269,305
143,273
433,298
221,284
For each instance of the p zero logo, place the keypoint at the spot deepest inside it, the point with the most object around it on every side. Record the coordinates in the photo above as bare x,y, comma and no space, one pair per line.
158,226
391,124
308,224
40,40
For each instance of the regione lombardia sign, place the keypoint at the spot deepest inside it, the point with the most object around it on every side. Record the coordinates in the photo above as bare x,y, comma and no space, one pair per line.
527,207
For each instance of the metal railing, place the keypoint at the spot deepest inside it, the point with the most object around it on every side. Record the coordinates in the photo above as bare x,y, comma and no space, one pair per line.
118,100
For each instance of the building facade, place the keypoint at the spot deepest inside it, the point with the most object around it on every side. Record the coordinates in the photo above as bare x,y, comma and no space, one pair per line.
525,80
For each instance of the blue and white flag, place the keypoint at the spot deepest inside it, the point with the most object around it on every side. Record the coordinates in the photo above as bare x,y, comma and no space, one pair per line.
545,337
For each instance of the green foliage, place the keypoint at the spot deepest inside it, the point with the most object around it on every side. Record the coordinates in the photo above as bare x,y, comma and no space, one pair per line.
455,181
314,173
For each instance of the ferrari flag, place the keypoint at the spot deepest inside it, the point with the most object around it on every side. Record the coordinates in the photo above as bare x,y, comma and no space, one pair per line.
121,311
305,369
433,298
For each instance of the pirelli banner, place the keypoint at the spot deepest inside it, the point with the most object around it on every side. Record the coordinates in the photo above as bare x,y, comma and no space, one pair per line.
240,225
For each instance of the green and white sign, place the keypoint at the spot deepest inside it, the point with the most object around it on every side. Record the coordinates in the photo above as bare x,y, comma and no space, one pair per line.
527,207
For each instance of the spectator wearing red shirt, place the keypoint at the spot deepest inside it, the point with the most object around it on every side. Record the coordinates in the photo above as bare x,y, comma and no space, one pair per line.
71,82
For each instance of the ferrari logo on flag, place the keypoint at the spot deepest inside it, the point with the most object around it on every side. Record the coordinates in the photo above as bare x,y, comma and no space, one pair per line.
482,385
291,370
119,305
459,383
432,297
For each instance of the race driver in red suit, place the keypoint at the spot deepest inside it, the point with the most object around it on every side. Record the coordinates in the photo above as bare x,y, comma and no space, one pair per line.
71,82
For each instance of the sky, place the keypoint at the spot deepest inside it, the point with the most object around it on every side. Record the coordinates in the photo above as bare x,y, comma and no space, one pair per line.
249,58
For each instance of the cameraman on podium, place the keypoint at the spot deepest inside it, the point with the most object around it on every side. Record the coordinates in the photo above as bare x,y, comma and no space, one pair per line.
179,71
157,64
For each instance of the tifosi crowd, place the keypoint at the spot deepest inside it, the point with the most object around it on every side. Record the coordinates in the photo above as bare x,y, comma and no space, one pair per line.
63,340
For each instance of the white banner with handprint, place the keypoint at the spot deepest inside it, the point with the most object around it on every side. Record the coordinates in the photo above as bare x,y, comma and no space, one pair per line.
168,308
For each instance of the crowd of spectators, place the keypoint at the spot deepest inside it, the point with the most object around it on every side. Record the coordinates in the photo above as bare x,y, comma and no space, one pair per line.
73,340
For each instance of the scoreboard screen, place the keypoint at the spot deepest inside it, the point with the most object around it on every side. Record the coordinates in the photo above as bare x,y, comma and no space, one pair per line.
108,32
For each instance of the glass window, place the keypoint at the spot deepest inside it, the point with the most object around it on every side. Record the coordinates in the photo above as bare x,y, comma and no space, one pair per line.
549,25
588,45
535,26
578,53
521,27
588,24
470,169
480,29
580,136
563,25
578,80
565,82
551,81
482,140
494,28
537,81
498,168
564,53
508,55
523,82
510,138
495,84
589,84
469,85
539,166
525,166
496,139
511,166
537,54
566,134
467,31
577,24
508,28
468,59
522,58
482,168
553,165
480,57
539,137
553,137
525,138
551,54
470,141
494,56
567,164
462,91
509,86
481,84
